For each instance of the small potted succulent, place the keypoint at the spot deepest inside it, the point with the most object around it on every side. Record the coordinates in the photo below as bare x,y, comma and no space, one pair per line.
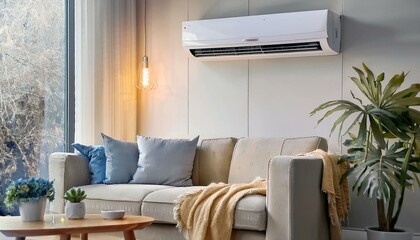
75,208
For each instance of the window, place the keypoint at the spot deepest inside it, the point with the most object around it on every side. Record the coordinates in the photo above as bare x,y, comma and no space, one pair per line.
36,116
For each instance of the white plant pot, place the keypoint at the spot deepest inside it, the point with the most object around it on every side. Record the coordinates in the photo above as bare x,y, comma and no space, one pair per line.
400,234
32,209
75,210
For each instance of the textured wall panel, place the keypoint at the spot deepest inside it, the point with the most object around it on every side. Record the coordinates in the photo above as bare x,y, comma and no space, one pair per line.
284,91
164,111
199,9
280,6
219,98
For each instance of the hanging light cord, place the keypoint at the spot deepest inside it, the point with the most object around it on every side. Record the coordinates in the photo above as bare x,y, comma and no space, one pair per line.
146,82
145,59
144,22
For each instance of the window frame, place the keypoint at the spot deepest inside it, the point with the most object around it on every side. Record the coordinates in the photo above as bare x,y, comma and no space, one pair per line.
69,124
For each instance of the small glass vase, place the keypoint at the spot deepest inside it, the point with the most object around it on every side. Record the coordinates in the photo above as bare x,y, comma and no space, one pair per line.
32,209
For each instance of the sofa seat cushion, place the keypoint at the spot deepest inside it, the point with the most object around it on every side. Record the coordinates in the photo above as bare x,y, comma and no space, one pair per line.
160,204
117,196
250,213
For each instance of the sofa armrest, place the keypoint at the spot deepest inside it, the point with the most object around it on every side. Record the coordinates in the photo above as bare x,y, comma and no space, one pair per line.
296,206
67,170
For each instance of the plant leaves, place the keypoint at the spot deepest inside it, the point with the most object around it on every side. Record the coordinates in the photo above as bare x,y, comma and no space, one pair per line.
393,85
374,90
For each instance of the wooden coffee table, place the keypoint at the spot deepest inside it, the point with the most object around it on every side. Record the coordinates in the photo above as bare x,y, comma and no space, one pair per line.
58,225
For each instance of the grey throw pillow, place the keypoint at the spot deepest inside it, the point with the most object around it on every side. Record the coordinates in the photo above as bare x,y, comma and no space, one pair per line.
121,160
165,161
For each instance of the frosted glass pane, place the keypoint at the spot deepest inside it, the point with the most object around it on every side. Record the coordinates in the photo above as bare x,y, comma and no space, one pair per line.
32,86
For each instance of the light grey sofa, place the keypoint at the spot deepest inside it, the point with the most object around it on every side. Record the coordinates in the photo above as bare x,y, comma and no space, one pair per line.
294,209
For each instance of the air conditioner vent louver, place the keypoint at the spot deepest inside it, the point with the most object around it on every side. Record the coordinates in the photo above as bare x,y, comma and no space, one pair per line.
257,49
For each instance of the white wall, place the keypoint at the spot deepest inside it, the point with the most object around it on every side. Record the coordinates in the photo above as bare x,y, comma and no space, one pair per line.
273,97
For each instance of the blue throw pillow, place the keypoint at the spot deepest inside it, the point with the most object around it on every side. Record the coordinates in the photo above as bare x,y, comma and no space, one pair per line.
121,160
165,161
97,160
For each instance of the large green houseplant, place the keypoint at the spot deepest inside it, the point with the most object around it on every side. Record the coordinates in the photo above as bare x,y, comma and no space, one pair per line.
383,142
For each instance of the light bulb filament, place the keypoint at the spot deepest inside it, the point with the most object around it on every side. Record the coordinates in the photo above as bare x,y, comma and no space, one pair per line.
145,78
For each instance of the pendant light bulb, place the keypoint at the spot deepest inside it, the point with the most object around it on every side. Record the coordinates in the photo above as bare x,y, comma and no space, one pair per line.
145,80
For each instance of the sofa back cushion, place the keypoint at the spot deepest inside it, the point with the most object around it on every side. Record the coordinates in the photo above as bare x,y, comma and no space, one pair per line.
121,160
251,155
165,161
212,161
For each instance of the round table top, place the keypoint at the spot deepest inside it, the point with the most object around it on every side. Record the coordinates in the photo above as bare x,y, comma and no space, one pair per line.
57,224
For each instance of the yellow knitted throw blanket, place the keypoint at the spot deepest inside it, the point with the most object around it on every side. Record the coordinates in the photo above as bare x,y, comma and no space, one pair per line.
208,214
337,193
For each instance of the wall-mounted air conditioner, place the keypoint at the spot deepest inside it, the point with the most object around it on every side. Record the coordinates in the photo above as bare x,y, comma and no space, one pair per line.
293,34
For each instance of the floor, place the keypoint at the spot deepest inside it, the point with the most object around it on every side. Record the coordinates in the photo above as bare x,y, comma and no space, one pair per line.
92,236
347,235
